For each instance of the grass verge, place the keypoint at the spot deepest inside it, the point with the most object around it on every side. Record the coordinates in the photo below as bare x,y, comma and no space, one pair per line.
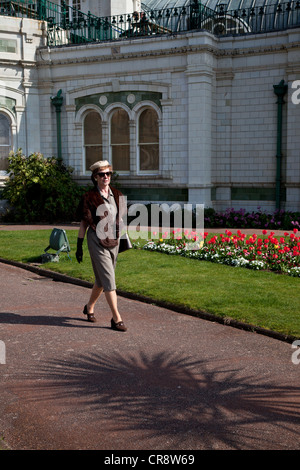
263,299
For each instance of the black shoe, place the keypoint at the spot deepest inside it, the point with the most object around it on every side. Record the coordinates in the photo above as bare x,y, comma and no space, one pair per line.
118,326
90,316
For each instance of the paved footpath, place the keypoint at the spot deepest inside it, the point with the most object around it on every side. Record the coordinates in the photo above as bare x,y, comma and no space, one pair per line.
171,382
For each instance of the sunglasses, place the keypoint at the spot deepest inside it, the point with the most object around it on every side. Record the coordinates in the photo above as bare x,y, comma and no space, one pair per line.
103,174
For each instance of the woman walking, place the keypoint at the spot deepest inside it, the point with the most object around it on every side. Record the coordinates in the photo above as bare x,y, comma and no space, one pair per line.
100,211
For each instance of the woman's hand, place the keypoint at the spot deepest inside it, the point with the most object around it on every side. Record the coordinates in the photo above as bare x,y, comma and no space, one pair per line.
79,252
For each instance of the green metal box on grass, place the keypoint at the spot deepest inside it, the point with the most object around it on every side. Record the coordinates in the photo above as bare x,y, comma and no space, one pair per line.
59,242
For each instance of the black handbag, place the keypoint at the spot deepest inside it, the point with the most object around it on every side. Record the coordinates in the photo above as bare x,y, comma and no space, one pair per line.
125,243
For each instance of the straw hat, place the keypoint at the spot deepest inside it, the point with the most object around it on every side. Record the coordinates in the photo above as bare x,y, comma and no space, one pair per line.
100,164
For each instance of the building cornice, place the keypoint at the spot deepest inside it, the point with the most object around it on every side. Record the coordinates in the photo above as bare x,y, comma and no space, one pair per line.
163,52
16,62
231,52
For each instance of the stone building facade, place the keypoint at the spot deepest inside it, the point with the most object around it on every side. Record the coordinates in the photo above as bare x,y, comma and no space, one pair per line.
185,117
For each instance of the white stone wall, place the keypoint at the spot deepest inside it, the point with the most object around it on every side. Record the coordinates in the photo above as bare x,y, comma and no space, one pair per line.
149,65
246,121
219,111
19,80
218,121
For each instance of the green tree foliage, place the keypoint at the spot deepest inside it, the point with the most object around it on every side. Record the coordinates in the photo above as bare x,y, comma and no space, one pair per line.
40,189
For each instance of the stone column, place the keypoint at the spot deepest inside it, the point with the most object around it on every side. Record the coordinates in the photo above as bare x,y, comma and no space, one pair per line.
105,141
19,137
71,144
200,90
165,137
133,148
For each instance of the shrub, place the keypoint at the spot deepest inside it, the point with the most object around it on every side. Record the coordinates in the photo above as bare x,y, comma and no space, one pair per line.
40,189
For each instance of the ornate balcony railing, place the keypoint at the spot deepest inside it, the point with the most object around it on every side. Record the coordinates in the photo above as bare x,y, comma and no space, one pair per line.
66,25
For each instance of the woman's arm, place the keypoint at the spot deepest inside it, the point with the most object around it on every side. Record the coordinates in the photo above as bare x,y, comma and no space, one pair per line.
82,229
81,234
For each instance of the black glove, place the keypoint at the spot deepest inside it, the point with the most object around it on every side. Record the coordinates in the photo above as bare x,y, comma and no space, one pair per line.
79,252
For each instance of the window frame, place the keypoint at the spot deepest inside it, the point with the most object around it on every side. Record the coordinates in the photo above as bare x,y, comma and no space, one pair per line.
72,9
134,149
10,136
112,110
84,145
143,107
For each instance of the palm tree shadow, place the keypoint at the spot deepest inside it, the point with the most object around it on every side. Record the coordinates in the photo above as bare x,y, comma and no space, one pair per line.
172,395
44,320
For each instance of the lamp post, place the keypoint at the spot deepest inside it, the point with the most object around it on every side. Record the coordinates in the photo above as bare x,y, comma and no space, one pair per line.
279,90
57,102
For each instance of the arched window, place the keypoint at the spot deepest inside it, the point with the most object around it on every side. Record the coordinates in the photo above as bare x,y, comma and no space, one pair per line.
5,141
120,140
148,141
92,138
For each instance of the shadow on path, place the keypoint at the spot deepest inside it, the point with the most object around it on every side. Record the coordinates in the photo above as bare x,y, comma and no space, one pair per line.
195,403
45,320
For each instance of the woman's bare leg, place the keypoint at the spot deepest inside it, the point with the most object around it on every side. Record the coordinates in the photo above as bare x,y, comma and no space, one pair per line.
111,297
95,294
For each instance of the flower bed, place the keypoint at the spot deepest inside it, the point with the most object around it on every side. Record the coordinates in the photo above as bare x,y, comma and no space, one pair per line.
268,252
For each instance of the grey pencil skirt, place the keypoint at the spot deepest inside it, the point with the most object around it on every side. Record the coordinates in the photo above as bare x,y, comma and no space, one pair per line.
103,261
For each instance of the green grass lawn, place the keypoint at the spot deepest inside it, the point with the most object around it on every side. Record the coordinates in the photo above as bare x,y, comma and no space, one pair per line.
260,298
